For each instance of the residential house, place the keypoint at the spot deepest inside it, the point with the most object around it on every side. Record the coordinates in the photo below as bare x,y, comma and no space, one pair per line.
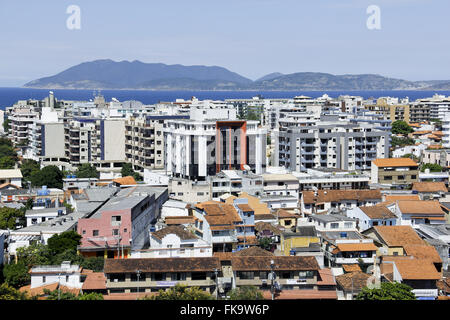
415,212
420,274
150,275
304,241
368,217
322,201
350,284
431,191
172,242
400,172
11,176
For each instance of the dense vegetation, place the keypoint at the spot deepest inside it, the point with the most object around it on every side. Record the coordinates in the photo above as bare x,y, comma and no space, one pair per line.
8,156
401,127
62,247
387,291
86,170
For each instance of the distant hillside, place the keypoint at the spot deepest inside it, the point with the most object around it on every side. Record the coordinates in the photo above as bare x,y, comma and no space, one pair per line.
270,76
326,81
108,74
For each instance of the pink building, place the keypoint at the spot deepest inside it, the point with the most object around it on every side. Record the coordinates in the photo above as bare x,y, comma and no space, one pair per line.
121,225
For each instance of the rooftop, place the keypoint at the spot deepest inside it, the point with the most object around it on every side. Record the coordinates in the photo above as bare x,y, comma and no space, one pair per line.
309,197
395,162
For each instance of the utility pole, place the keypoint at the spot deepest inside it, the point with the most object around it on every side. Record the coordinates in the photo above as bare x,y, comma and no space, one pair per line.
138,273
272,276
59,286
216,272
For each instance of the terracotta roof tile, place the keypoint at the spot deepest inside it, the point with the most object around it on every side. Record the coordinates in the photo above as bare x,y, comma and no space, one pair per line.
395,162
281,263
431,207
351,267
397,236
297,294
95,281
378,212
353,281
339,195
343,247
429,187
161,264
414,269
129,180
182,233
422,252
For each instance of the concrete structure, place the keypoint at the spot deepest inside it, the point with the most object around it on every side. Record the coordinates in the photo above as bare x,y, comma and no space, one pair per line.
11,176
65,274
399,172
213,140
368,217
330,144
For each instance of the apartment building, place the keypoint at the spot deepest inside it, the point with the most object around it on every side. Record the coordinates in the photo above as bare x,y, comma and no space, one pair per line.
234,181
213,140
329,144
21,117
154,274
144,144
122,223
331,180
100,142
394,171
439,105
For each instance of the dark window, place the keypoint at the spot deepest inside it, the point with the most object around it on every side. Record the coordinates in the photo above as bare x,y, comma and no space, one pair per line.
198,276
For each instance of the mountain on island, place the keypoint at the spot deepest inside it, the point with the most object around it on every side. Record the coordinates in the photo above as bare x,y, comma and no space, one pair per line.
108,74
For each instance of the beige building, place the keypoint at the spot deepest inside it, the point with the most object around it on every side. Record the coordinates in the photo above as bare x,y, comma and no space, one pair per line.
394,171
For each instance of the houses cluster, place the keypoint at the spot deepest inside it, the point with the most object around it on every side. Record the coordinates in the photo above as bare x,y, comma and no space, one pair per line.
308,202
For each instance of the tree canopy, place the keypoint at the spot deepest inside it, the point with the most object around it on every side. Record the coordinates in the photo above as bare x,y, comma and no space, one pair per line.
49,176
86,170
181,292
8,155
387,291
59,243
28,168
246,293
401,127
127,170
16,275
9,293
11,218
432,166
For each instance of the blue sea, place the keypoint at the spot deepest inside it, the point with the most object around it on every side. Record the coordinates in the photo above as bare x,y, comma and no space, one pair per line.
9,96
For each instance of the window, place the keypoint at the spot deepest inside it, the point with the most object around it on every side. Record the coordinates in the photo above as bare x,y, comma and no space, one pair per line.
67,278
198,276
44,279
178,276
264,275
95,233
246,275
134,277
334,225
159,276
117,277
115,232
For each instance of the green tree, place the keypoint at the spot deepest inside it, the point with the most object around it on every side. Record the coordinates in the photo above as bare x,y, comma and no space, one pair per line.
86,170
11,218
59,243
401,142
7,162
246,293
411,156
6,125
34,254
432,166
180,292
16,274
49,176
265,243
91,296
28,168
387,291
9,293
95,264
401,127
59,295
127,170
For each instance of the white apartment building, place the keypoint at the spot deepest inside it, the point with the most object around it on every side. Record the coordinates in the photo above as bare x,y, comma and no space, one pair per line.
66,274
175,242
327,144
213,140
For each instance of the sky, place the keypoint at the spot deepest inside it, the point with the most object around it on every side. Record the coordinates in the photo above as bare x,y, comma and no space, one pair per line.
250,37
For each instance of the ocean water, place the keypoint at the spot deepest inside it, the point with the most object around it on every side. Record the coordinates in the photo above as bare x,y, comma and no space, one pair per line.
8,96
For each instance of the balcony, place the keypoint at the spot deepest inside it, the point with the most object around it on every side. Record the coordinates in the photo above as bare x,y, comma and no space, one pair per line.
425,292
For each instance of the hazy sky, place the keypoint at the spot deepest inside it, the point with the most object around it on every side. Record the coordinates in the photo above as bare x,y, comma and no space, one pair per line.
250,37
